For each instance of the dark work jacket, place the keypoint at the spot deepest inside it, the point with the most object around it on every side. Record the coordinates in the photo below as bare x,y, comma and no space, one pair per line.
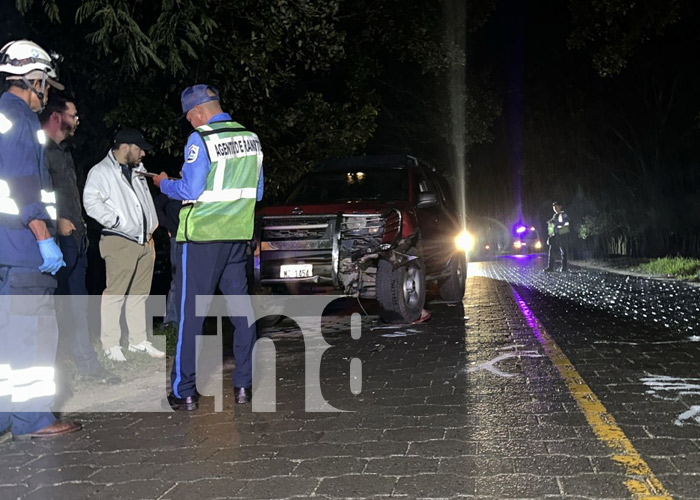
168,211
65,184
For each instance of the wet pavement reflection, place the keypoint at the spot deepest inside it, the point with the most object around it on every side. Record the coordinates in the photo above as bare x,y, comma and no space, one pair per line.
666,303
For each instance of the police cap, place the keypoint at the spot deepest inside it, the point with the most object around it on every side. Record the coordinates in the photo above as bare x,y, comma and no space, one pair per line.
196,95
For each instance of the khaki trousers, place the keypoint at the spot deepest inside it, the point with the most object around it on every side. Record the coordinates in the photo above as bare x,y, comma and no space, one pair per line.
129,269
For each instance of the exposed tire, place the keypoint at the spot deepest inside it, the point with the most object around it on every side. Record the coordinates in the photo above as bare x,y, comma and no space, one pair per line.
452,289
269,321
401,291
267,311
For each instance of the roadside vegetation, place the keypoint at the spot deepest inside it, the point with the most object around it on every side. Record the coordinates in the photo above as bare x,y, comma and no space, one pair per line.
674,267
342,71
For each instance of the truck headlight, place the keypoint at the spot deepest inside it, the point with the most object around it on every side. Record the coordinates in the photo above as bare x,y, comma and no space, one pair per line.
464,241
359,225
356,223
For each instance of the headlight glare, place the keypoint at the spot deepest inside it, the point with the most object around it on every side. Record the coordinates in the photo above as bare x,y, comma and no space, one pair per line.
464,241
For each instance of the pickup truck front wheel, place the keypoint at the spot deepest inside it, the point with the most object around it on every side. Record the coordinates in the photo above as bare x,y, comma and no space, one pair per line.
452,288
401,291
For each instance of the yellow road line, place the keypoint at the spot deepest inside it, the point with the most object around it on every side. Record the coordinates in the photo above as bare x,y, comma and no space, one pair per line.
641,481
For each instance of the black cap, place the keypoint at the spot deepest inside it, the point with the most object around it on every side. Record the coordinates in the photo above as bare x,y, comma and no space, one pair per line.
129,135
555,203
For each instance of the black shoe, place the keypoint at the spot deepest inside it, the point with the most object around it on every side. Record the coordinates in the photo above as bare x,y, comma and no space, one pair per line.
243,395
563,270
189,403
548,270
101,376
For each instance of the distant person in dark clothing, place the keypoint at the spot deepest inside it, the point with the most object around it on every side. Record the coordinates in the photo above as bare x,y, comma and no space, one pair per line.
168,211
59,120
558,237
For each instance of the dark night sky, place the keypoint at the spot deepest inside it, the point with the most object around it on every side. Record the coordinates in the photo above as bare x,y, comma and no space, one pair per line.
524,44
556,137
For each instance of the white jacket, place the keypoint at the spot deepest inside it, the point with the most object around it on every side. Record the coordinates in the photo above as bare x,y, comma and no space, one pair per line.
110,200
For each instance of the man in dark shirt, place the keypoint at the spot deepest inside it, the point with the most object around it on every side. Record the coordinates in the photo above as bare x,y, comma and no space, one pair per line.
59,121
168,211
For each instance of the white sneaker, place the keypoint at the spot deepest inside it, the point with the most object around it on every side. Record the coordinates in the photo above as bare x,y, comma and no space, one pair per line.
147,347
115,353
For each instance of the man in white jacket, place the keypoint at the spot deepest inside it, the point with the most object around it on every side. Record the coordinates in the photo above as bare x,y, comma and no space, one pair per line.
116,195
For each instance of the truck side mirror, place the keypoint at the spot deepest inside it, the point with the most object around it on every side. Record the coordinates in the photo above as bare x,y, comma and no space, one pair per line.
427,199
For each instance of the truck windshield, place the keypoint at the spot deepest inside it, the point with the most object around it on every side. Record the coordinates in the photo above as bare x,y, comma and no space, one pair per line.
352,185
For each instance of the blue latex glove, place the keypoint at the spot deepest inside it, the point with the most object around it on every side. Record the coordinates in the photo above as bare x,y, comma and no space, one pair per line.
53,258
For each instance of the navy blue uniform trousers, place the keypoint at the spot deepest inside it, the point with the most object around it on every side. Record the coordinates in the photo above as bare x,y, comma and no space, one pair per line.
558,243
202,267
28,338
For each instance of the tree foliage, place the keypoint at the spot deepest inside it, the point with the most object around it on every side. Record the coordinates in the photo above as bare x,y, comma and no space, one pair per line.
613,30
314,78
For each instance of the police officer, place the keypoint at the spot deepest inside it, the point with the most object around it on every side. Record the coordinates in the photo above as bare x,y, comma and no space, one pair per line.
29,257
222,174
558,237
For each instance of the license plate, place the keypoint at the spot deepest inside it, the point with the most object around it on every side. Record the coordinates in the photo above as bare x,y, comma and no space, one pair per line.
296,270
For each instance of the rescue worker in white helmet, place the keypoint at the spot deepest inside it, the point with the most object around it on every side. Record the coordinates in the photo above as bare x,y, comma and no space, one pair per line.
29,67
29,256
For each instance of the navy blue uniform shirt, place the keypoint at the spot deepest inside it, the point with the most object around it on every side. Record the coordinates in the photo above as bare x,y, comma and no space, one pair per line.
22,167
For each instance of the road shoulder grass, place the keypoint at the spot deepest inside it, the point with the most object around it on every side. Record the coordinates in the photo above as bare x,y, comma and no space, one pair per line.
672,267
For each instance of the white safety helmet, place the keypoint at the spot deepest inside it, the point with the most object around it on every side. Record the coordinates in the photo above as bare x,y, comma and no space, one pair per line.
25,60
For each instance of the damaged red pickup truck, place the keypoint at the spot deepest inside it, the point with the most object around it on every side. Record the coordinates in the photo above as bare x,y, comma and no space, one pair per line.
375,227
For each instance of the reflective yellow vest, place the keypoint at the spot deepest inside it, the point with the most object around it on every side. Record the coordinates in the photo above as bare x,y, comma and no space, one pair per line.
225,211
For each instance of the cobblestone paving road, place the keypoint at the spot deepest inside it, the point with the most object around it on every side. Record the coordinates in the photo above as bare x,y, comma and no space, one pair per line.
454,407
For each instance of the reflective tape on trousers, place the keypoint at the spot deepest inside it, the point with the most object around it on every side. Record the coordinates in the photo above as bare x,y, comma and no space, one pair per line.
31,383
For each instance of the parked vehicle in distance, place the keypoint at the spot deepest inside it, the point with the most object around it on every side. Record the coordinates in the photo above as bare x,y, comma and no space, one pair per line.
376,227
527,241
